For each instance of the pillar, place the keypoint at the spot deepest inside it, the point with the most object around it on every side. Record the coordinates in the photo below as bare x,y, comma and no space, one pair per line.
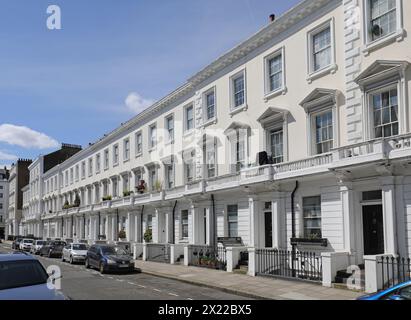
347,200
388,199
253,222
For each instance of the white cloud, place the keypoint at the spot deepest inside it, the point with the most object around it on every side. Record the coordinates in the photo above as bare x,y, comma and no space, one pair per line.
7,156
136,103
25,137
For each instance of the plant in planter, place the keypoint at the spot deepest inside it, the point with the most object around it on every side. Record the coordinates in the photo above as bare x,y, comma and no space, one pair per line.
158,186
142,187
127,193
148,235
122,234
107,198
66,205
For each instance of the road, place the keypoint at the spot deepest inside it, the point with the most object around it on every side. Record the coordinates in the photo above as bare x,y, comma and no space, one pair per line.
80,283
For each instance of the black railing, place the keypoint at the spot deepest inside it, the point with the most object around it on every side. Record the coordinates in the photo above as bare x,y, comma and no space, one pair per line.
394,270
209,257
280,263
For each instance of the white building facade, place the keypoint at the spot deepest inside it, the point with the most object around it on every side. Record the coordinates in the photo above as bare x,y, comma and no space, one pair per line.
4,200
299,138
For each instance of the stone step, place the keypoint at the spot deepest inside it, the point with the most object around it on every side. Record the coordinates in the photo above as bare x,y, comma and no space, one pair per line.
345,287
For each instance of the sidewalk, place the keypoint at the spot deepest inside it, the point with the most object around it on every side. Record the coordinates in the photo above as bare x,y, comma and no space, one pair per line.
252,287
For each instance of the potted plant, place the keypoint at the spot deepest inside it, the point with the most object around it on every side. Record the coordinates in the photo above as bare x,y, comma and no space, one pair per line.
127,193
141,188
66,205
122,235
107,198
148,235
158,186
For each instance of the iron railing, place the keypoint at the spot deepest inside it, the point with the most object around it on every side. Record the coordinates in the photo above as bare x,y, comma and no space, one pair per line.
209,257
280,263
394,270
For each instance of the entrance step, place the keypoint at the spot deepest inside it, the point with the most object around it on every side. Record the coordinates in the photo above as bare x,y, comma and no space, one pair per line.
343,277
241,270
345,287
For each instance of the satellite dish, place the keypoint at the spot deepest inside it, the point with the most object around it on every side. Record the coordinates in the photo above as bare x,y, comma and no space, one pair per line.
376,30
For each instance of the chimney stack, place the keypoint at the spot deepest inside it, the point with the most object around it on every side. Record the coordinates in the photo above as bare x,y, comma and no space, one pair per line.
272,17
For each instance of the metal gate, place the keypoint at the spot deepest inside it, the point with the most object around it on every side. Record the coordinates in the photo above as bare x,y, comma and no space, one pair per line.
394,270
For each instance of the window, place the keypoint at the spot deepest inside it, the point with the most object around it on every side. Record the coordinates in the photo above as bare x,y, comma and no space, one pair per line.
106,159
210,105
385,113
189,118
184,224
383,18
138,176
274,72
139,143
170,175
66,179
375,195
153,136
321,49
312,217
83,170
324,132
126,149
240,151
97,193
115,154
152,178
170,128
189,171
232,220
90,167
238,92
115,187
149,222
98,163
210,159
126,183
77,173
1,206
277,145
71,176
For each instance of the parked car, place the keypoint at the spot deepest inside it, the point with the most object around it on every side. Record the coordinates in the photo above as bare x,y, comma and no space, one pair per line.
38,244
26,244
400,292
74,252
52,248
16,244
22,277
108,258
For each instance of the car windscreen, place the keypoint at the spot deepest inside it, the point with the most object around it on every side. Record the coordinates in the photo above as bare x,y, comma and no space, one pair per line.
79,247
59,243
15,274
113,251
27,241
40,243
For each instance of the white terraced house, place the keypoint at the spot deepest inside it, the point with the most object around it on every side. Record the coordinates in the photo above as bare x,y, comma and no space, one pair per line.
291,151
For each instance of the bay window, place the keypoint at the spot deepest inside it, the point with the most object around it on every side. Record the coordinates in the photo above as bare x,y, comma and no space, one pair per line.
385,113
184,224
312,217
232,221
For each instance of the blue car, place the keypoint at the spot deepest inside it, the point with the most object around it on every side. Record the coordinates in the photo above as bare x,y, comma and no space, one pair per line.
399,292
108,258
22,277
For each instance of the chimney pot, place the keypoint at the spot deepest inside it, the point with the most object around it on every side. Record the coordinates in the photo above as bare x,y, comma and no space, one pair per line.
272,17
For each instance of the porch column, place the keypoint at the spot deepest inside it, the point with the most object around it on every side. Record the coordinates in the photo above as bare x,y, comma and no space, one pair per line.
138,226
160,216
113,228
277,210
209,227
130,227
195,224
388,200
253,222
349,231
48,229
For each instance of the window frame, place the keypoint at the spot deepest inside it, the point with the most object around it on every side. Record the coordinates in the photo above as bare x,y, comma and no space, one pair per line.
152,140
229,223
98,163
398,35
126,151
106,159
268,93
186,129
170,137
139,136
208,92
304,228
233,108
116,161
313,74
182,235
90,167
314,143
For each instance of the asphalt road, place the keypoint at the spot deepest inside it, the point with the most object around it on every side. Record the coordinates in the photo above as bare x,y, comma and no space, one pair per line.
80,283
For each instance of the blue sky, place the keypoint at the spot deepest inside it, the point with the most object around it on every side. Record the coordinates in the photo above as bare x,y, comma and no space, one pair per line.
111,59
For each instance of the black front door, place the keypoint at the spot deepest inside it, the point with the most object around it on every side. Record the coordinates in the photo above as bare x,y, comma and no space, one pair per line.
268,230
373,225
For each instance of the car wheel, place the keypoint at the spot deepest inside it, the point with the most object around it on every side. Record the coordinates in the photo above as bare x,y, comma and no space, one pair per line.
71,260
102,271
62,258
49,255
87,265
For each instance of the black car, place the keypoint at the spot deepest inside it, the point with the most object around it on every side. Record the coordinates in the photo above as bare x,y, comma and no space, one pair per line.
16,244
108,258
53,248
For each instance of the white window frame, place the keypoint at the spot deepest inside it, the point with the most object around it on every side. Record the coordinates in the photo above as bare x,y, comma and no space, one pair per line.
212,148
170,138
98,163
276,127
106,159
186,130
235,109
90,167
77,173
167,168
213,120
116,161
126,151
313,130
268,93
182,237
370,45
137,135
152,142
230,222
332,67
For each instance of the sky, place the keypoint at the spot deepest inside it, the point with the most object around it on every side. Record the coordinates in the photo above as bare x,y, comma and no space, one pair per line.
109,61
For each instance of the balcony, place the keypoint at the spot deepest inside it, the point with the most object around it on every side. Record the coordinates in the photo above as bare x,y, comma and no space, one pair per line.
175,193
223,182
256,174
194,187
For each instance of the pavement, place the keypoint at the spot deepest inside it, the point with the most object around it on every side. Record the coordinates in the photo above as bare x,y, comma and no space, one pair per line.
80,283
253,287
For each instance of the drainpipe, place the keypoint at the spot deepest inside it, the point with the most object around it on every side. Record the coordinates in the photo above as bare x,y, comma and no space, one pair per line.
293,231
84,226
141,225
213,225
99,226
173,224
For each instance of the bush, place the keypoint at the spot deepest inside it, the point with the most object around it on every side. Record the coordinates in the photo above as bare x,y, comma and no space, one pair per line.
148,235
107,198
122,234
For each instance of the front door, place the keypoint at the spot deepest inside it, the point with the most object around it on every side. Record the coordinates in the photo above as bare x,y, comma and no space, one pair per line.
268,229
373,226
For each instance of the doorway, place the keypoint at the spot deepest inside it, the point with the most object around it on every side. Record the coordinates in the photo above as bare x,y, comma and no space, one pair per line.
373,229
268,221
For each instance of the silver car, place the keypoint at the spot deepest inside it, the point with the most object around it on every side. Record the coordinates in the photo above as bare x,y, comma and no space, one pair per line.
35,248
74,252
26,244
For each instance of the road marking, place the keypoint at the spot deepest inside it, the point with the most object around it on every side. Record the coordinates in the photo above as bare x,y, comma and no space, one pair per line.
141,286
110,277
173,294
189,299
132,283
120,280
157,290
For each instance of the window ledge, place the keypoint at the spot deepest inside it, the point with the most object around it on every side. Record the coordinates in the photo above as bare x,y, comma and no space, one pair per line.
331,69
238,109
126,160
138,155
115,165
171,142
210,122
152,149
397,36
322,242
273,94
188,133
